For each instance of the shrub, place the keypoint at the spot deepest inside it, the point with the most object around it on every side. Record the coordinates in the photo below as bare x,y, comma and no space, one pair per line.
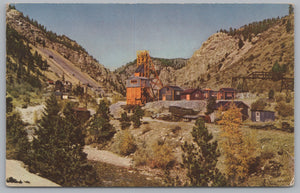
162,155
271,94
284,109
176,129
260,104
278,98
157,155
125,143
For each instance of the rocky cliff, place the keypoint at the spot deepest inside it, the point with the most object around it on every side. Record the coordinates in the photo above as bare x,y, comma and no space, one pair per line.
50,45
225,55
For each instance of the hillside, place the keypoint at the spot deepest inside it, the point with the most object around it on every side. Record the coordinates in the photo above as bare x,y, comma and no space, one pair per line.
63,55
226,54
220,57
162,66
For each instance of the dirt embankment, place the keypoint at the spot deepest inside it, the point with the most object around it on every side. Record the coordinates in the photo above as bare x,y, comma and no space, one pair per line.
15,170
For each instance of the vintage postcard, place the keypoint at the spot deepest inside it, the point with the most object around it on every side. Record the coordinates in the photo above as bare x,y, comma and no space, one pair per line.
150,95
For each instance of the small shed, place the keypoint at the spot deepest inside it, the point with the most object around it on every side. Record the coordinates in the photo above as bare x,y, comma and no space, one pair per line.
170,93
262,116
239,104
226,94
192,94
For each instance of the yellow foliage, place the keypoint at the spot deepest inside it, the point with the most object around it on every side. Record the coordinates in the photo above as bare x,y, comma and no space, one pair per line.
125,143
162,155
237,148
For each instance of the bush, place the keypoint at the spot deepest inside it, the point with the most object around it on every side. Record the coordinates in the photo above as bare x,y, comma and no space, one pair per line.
125,143
176,129
284,109
157,155
162,155
271,94
278,98
260,104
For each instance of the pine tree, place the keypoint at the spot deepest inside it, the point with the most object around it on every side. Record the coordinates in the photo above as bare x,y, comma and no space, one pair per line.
291,9
136,117
58,149
211,105
100,126
17,144
125,121
200,158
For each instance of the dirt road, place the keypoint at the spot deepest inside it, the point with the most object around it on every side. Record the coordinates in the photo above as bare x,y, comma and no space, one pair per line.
107,157
69,68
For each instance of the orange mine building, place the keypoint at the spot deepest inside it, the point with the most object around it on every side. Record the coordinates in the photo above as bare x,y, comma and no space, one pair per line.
138,86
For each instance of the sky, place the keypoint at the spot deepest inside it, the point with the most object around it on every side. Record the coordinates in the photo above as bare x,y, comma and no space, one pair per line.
112,33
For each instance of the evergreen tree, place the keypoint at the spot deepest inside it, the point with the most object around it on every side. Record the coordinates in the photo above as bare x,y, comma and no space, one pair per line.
271,94
136,117
58,149
211,105
100,126
17,144
125,121
291,9
200,158
288,26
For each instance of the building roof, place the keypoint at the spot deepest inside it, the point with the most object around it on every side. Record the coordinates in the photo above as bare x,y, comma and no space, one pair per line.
80,109
226,104
263,111
137,77
190,91
173,87
227,89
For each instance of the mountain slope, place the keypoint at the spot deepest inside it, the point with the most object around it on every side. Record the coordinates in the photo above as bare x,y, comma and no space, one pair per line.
253,47
63,55
162,66
220,57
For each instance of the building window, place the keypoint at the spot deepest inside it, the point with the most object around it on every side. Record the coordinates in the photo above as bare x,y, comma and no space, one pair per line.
177,93
197,95
133,81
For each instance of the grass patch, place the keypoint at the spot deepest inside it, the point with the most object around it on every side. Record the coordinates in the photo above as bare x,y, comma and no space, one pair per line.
113,176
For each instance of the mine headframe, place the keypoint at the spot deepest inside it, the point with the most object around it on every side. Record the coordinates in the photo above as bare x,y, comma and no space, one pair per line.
146,68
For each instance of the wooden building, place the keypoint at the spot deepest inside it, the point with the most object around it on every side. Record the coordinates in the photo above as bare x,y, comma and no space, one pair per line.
192,94
207,92
136,90
170,93
226,94
239,104
262,116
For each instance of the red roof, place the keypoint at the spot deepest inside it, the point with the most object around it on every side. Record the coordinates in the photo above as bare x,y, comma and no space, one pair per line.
190,91
80,109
